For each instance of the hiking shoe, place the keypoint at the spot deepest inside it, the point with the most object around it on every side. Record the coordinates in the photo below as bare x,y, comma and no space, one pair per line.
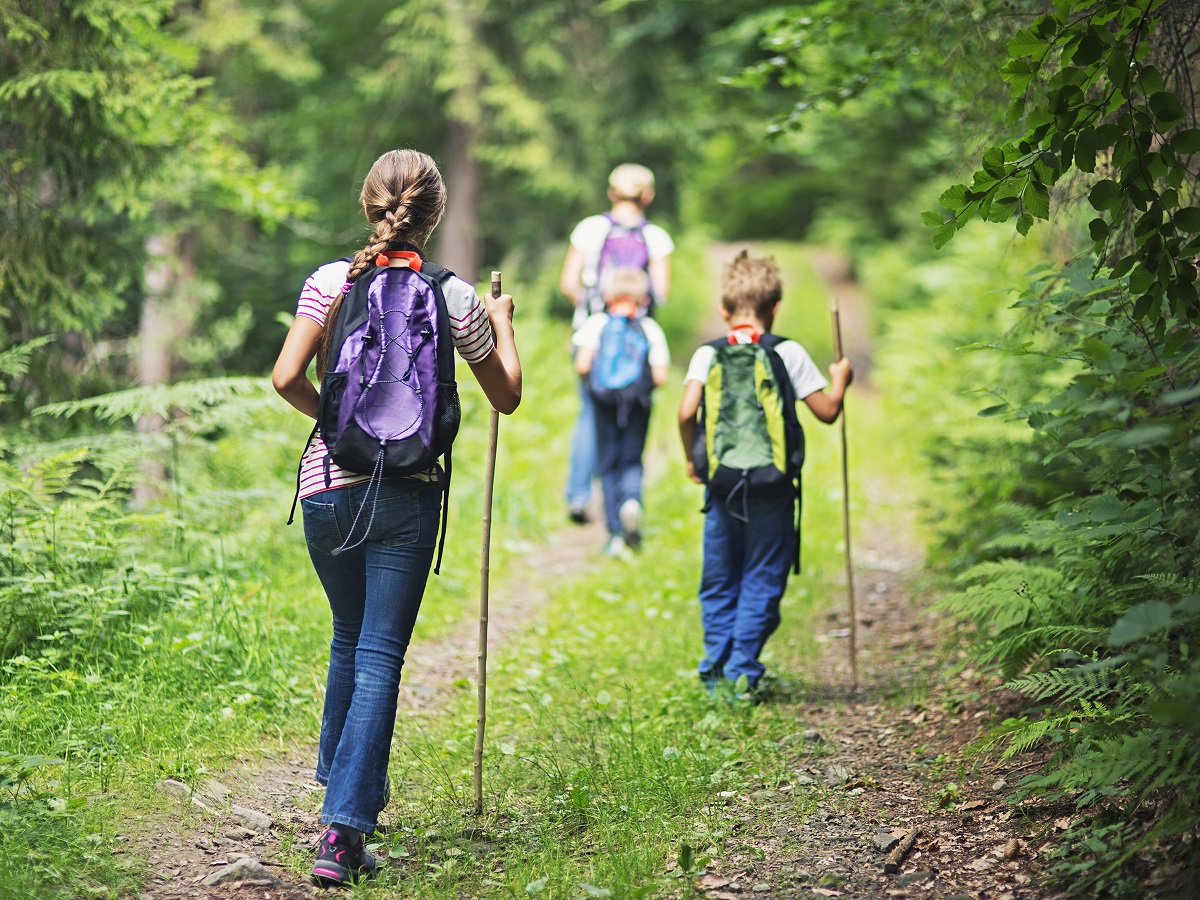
617,548
578,514
341,862
630,515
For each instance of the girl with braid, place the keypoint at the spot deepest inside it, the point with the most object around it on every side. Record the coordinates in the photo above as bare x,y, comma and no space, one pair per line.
375,588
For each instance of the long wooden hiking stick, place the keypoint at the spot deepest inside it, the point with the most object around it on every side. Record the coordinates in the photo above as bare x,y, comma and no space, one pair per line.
489,478
837,349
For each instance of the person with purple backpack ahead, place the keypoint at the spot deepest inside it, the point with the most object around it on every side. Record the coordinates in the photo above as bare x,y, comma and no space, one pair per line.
383,327
600,245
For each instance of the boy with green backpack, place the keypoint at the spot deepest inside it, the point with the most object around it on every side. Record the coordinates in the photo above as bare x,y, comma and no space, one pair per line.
742,439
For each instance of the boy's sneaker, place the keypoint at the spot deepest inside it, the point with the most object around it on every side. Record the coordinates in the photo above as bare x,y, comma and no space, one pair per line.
630,515
617,548
578,514
341,862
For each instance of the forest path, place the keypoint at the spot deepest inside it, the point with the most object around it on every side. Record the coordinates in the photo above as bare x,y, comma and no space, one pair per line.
866,767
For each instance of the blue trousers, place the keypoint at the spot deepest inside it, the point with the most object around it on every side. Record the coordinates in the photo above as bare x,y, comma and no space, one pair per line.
374,593
583,451
745,573
619,458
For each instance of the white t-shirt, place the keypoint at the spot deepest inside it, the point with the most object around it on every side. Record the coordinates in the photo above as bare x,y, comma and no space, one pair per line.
588,237
588,336
806,378
470,329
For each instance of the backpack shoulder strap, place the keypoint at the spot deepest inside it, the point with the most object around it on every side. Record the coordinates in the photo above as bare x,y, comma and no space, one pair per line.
353,311
436,276
787,393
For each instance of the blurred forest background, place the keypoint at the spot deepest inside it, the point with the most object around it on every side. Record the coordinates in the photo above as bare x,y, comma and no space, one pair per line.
171,172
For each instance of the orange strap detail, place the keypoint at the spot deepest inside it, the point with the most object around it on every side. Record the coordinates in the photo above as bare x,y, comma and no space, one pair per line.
403,259
754,334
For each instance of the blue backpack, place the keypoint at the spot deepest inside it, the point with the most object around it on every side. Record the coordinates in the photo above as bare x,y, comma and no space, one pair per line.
620,376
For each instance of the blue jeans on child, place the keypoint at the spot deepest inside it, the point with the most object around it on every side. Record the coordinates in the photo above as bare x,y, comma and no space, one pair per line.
374,592
620,441
746,566
583,452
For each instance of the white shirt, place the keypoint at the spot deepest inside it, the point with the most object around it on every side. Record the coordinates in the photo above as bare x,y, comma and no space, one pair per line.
588,238
588,336
806,378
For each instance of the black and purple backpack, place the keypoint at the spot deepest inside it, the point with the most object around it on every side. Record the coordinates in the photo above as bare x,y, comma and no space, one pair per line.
389,402
624,247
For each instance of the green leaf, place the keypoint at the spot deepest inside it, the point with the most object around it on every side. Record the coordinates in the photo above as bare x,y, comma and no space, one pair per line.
954,197
942,235
1024,223
1186,141
1104,194
536,887
932,219
1098,229
1036,198
592,891
1166,108
1187,219
1027,43
1143,621
997,410
1146,434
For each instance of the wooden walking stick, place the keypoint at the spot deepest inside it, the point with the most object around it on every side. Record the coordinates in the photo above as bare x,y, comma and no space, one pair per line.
489,478
837,349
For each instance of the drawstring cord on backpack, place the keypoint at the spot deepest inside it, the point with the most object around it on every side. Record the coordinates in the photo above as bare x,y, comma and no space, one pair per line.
743,485
376,479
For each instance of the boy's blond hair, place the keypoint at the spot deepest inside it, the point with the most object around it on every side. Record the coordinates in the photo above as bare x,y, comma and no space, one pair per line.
629,181
751,286
632,283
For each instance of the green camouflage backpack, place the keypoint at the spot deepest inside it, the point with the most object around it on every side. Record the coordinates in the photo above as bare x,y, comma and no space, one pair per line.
748,438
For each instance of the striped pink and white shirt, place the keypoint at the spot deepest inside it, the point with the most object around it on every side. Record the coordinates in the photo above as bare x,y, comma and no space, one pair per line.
469,326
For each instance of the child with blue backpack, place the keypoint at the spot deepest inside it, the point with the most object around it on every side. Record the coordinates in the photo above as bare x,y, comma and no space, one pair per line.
383,327
622,357
621,238
743,440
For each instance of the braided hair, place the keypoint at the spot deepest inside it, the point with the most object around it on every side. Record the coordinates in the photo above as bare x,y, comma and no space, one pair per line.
404,197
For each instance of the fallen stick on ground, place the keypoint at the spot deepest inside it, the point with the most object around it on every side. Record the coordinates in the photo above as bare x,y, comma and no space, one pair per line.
896,857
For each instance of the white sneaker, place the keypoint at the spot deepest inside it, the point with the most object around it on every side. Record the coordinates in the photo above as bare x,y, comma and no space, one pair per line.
617,548
630,515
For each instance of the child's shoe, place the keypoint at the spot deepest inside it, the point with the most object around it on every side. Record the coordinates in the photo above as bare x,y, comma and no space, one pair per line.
630,515
341,860
578,514
617,548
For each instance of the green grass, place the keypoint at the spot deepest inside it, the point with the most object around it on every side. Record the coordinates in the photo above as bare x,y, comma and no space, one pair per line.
603,752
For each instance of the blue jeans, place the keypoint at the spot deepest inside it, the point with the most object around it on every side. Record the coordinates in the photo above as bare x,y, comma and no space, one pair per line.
619,458
374,592
583,452
746,568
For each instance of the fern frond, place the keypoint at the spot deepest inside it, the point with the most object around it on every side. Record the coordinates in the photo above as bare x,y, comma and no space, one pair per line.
160,399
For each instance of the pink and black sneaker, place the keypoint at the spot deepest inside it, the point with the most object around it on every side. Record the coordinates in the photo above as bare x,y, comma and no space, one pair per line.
340,861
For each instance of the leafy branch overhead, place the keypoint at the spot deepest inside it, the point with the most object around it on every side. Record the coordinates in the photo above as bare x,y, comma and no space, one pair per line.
1099,96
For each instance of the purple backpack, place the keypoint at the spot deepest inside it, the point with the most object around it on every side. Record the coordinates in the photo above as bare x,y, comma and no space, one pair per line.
389,402
623,248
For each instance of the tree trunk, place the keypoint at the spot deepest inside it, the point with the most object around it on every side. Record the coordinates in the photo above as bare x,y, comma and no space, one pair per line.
458,244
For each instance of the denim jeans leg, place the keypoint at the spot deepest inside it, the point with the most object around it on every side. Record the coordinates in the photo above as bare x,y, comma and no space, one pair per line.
765,565
583,452
632,446
608,463
395,561
720,582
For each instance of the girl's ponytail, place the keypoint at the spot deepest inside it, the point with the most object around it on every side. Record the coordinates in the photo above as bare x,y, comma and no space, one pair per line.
404,197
